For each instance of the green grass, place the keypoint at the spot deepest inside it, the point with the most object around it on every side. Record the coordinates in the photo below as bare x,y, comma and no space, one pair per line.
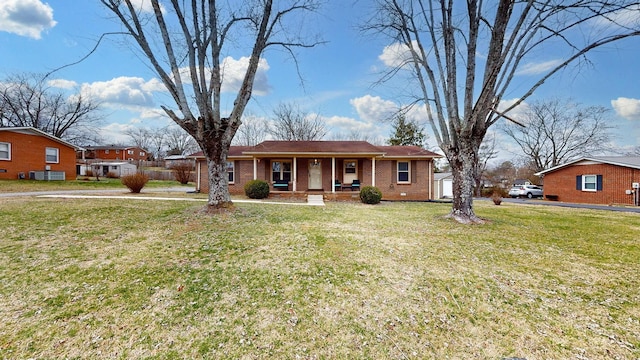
80,184
161,280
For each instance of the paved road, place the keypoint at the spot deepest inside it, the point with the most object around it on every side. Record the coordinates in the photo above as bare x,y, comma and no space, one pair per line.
634,209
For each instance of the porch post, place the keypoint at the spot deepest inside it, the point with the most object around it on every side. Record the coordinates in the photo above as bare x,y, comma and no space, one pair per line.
373,171
199,172
333,174
255,168
295,173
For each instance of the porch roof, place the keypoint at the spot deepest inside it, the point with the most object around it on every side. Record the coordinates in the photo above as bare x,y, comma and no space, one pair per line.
315,148
360,149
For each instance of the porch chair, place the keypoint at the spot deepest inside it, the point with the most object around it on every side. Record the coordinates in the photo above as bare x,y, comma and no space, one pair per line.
355,185
337,185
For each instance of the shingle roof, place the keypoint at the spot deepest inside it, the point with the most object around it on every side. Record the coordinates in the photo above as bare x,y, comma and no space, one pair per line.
326,148
315,147
34,131
624,161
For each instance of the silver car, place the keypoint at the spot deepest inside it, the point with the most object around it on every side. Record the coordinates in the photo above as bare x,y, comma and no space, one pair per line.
529,191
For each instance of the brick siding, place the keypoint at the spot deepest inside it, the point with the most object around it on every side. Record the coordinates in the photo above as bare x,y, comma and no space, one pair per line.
615,181
28,154
386,172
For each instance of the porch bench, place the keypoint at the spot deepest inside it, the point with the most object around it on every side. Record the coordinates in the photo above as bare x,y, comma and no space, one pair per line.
552,197
282,185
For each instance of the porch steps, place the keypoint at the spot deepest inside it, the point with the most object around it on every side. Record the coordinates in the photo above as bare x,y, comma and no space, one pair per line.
316,200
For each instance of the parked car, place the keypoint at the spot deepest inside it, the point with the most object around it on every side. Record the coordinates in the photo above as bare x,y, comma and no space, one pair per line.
529,191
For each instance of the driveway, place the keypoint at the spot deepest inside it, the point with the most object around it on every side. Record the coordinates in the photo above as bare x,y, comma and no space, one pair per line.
633,209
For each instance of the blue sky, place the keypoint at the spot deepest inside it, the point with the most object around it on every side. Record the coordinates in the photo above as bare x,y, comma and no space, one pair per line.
40,35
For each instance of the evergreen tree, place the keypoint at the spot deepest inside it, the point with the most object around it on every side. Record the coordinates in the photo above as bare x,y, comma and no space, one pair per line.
406,132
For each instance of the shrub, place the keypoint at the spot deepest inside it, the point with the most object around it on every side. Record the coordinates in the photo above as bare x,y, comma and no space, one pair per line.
135,182
112,175
182,172
88,172
496,197
257,189
370,195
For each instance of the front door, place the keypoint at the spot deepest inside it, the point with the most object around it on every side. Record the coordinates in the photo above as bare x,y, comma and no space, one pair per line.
315,175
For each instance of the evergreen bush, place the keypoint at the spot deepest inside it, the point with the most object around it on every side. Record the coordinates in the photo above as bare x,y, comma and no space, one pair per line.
370,195
257,189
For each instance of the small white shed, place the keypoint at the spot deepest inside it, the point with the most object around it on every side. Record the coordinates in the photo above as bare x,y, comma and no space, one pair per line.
119,169
443,185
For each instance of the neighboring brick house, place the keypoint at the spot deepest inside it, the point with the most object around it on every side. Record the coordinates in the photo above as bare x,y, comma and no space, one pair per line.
116,152
27,152
604,180
332,167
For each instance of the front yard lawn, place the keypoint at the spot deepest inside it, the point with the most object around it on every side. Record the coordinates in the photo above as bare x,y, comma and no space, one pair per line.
112,278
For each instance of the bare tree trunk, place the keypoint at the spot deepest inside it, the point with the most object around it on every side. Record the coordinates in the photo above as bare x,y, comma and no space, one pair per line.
463,161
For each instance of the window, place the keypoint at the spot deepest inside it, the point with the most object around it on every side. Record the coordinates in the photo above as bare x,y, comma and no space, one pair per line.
106,151
589,182
230,171
350,166
404,172
117,151
142,153
5,151
51,155
281,170
130,152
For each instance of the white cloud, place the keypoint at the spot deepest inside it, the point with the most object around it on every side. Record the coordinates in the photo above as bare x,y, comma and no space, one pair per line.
145,6
128,92
627,108
396,55
373,108
538,67
234,71
62,83
115,133
26,17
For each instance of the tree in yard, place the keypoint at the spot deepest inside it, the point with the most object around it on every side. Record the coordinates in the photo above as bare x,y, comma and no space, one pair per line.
557,131
178,142
30,100
293,124
486,152
253,131
188,58
407,132
463,57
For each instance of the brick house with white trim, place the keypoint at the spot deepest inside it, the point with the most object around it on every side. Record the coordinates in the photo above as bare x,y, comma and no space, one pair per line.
29,153
606,180
329,167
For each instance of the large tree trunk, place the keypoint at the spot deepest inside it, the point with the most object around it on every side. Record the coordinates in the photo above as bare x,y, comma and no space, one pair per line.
216,151
463,162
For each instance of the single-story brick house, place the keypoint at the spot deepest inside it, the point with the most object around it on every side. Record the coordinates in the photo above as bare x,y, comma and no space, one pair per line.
29,153
595,180
336,168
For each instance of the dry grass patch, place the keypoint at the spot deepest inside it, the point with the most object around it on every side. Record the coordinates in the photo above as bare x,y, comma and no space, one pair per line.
133,279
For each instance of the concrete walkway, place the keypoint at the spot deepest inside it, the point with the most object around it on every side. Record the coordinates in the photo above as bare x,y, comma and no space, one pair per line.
313,202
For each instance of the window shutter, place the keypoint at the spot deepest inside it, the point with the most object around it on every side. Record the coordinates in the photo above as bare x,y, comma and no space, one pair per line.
413,171
599,182
579,182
